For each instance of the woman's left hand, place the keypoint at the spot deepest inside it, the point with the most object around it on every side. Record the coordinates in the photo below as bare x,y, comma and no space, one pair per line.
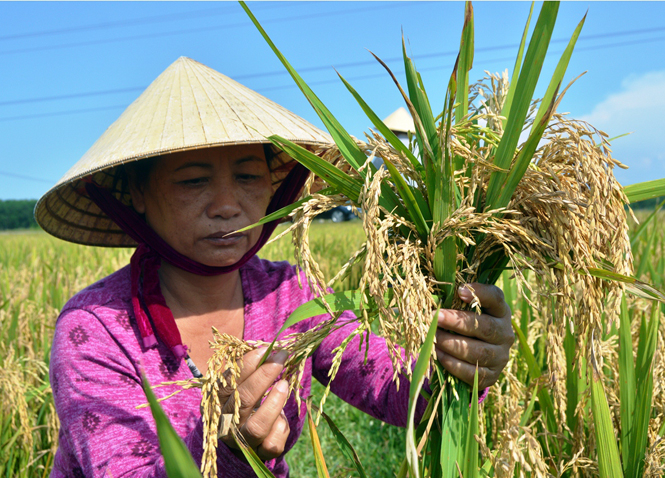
483,339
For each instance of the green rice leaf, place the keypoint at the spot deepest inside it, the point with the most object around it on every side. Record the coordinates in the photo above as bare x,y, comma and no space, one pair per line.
544,397
505,111
445,256
429,427
573,383
178,462
465,64
345,446
334,176
346,144
642,227
646,258
250,455
394,141
471,449
609,463
639,430
547,108
421,133
285,211
627,385
454,430
526,416
526,84
487,470
646,190
641,427
559,73
409,200
420,108
337,302
417,380
633,285
647,347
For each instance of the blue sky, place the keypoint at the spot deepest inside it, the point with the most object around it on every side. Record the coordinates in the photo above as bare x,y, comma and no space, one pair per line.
68,69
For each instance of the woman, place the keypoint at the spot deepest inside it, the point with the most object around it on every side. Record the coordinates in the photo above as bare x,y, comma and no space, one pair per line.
203,173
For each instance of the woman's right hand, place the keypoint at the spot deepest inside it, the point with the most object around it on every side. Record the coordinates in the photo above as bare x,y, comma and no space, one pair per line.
263,425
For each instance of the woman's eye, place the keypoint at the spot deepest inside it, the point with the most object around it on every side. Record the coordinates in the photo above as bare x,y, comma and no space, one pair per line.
248,177
193,181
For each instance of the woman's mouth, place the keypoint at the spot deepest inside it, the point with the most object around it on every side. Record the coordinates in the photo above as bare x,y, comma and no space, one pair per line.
225,238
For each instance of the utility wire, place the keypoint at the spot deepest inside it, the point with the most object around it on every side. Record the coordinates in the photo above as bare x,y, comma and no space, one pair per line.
106,25
29,178
362,63
197,30
71,96
61,113
291,85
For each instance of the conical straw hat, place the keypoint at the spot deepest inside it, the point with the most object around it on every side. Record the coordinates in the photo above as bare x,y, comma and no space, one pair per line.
189,106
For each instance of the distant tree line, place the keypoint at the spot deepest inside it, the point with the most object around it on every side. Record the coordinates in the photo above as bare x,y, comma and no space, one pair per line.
17,214
647,204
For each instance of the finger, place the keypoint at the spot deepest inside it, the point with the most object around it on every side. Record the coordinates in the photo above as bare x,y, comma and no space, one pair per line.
490,297
259,424
465,371
250,361
472,351
255,386
485,327
274,444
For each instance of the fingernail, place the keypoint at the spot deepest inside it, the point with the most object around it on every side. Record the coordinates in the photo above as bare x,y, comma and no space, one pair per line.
262,350
279,357
282,386
465,293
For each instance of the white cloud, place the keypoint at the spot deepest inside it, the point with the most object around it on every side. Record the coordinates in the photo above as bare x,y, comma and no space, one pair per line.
638,108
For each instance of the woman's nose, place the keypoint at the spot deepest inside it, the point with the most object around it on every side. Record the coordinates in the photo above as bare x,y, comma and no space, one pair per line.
223,202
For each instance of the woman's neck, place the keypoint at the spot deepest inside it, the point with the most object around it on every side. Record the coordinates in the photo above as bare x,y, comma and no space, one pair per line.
189,294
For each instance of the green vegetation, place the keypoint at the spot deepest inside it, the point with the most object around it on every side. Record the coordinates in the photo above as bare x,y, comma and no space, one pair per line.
39,273
468,202
647,204
17,214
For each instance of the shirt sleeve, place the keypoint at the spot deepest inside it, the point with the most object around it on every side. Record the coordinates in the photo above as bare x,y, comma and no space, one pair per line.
96,388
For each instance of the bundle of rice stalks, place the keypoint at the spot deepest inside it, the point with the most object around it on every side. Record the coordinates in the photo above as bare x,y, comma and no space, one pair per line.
467,202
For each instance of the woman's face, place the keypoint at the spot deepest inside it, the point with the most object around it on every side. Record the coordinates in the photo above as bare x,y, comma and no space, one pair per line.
194,198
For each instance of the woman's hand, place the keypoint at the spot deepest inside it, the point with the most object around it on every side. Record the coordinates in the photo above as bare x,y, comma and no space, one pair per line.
483,339
263,425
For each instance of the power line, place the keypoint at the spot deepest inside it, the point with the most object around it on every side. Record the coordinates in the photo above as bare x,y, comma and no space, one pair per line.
314,83
70,96
364,63
61,113
29,178
195,30
116,24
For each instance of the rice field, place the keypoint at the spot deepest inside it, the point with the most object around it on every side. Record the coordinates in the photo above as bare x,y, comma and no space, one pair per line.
537,421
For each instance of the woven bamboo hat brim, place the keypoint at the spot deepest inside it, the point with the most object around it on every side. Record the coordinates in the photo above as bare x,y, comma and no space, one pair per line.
189,106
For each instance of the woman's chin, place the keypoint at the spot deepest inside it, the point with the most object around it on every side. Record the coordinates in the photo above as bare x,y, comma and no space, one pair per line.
220,260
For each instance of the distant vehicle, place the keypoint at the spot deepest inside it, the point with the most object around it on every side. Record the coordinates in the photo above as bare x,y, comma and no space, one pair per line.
338,214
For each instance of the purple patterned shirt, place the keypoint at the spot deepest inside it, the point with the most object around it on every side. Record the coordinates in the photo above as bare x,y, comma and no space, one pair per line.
97,356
